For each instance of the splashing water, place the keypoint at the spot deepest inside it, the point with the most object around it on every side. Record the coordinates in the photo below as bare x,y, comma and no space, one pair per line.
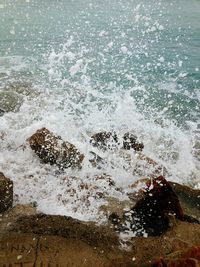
90,66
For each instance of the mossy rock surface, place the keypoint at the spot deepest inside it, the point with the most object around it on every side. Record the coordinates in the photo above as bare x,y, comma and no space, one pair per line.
13,95
9,101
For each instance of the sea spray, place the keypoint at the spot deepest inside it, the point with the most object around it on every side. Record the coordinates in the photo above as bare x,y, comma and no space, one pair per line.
93,71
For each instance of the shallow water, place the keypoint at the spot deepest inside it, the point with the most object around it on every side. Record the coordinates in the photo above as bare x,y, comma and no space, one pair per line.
95,65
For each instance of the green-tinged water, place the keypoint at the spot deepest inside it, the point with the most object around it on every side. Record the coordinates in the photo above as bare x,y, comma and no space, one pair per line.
93,65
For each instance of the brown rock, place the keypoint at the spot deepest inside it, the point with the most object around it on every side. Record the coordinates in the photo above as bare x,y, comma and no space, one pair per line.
156,203
52,149
45,240
6,193
49,240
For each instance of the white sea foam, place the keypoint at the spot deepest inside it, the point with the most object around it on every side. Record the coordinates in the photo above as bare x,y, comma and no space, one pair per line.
73,103
76,114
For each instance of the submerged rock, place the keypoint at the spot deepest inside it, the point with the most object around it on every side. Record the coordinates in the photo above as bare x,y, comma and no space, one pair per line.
6,193
12,96
9,101
53,150
24,89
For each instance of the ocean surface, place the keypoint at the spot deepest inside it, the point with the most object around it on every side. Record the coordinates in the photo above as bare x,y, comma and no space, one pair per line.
84,66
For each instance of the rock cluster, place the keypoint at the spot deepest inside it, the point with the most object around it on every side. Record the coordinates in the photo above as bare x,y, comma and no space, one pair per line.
168,213
110,140
154,206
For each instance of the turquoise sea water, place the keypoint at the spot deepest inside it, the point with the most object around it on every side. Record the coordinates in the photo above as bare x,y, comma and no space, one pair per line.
103,65
150,44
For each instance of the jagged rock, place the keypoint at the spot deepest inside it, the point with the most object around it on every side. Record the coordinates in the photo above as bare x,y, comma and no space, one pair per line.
52,149
155,203
6,193
130,141
190,201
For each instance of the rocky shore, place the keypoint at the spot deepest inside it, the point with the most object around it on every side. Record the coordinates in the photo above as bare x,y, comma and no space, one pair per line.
162,218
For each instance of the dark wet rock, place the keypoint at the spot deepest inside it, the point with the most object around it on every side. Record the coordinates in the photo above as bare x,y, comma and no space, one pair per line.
3,75
104,140
110,140
152,210
52,149
158,202
190,201
155,203
6,193
24,89
148,251
25,219
130,141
